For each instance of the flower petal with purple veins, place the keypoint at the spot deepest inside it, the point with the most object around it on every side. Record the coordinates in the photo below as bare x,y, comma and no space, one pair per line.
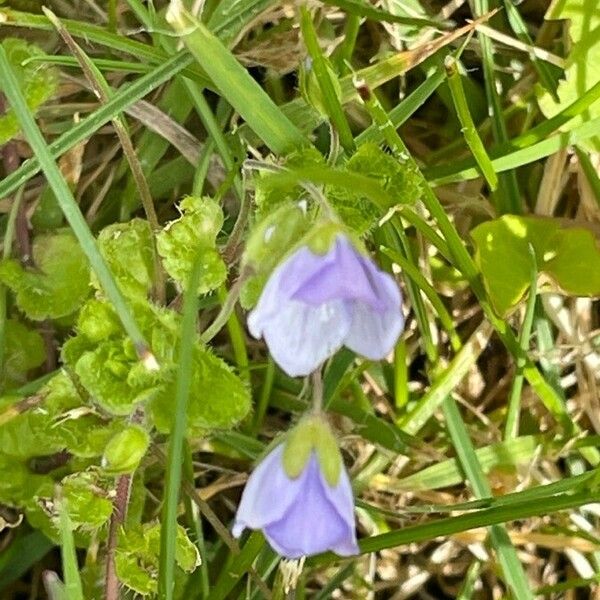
311,524
343,277
301,516
313,304
300,337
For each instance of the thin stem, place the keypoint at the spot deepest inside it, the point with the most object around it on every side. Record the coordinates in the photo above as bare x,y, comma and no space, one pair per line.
227,307
104,93
511,427
317,389
118,518
168,533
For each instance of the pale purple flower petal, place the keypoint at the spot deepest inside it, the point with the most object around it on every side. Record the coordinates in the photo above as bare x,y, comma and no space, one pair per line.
313,304
300,337
301,516
257,508
344,276
373,334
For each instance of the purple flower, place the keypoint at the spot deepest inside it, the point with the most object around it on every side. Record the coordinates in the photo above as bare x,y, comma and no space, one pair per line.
313,304
299,516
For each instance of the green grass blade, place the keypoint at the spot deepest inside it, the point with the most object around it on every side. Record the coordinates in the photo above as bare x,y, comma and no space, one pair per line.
118,103
235,83
511,159
481,518
508,197
231,573
73,587
331,101
512,569
520,29
424,285
86,31
363,9
175,460
446,381
227,23
69,206
468,128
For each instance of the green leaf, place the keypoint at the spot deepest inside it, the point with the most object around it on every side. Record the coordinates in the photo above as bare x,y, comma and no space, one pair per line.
125,450
104,372
37,84
218,399
24,350
195,231
269,241
61,421
583,62
18,483
137,554
128,249
396,178
270,193
564,255
58,285
89,505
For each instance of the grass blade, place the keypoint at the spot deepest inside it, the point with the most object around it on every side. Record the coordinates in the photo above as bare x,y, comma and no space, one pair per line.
235,83
69,207
175,460
73,587
469,130
118,103
331,101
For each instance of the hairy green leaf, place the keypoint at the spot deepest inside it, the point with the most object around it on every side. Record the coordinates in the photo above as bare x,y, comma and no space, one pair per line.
37,85
128,249
195,231
59,283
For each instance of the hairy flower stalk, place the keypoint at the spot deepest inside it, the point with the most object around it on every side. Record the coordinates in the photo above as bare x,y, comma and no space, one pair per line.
300,495
315,303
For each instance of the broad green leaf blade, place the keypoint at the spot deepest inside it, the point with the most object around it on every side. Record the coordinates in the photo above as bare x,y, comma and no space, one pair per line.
568,256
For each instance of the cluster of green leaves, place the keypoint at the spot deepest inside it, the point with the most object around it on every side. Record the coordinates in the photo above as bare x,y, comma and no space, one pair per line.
104,408
286,210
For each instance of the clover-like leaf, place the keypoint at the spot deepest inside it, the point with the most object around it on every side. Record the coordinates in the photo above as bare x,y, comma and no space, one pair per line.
59,283
195,232
569,257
